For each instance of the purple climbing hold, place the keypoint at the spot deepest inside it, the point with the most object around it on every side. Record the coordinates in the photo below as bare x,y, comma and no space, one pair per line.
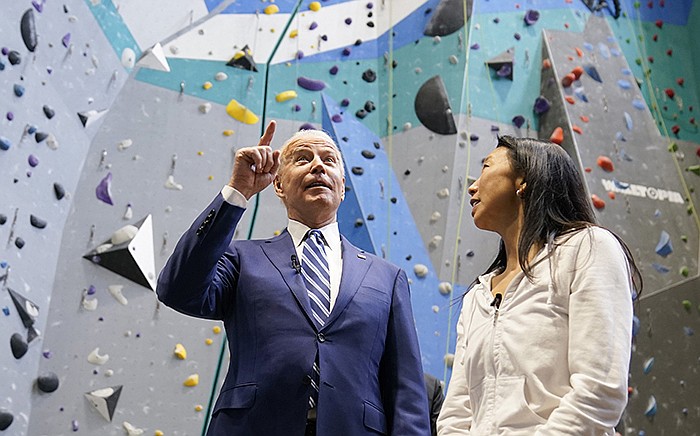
506,70
10,116
333,70
348,21
4,51
307,126
66,40
296,108
345,102
517,36
38,6
310,84
313,25
300,54
33,160
347,51
542,105
337,118
475,46
531,17
104,189
518,121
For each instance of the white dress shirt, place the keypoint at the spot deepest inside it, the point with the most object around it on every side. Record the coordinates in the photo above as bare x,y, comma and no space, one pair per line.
554,358
297,230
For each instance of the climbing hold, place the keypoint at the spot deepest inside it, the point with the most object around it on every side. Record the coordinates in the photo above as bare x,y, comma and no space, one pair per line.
47,382
670,92
14,57
105,400
367,154
66,40
445,288
502,63
128,58
310,84
19,90
243,59
19,243
577,72
96,358
241,113
664,247
285,96
648,365
598,202
593,72
432,107
541,105
684,271
37,222
628,121
205,108
447,18
650,410
272,9
207,85
28,29
104,189
531,17
220,76
131,430
5,143
687,305
518,121
18,345
6,419
420,270
180,352
116,291
334,70
337,118
59,191
216,329
369,76
315,6
192,380
605,163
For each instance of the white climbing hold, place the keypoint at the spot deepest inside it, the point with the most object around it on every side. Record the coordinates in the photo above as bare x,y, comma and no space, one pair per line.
445,288
171,184
116,291
96,358
125,234
420,270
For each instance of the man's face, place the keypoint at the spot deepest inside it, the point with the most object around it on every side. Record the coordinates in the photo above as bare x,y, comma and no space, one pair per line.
310,181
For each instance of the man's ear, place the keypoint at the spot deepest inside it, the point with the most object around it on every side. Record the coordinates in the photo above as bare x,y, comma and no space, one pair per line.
342,196
278,186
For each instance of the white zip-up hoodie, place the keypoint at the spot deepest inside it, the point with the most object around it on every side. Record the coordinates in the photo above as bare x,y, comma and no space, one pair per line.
554,358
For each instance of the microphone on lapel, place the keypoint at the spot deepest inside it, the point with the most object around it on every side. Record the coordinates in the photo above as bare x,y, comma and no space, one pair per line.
295,264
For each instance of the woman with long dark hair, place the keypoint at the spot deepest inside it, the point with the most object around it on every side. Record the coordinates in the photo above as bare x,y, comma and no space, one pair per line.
544,335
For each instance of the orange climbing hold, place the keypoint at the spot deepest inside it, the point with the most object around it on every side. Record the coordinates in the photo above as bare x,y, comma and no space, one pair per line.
567,80
557,136
577,71
577,129
611,195
584,118
605,163
579,52
598,202
546,64
569,99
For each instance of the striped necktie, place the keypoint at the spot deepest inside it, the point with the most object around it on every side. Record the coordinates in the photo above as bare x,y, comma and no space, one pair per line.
314,268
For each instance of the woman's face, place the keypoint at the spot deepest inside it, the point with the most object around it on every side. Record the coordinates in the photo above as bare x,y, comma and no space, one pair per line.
495,203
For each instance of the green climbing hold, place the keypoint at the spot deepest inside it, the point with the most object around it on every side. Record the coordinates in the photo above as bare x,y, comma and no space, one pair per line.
684,271
695,169
687,305
673,147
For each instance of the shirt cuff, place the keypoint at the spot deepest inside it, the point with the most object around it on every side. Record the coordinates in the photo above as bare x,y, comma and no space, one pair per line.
234,197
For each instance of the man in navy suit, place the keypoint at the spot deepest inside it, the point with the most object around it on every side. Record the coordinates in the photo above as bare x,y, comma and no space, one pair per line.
352,368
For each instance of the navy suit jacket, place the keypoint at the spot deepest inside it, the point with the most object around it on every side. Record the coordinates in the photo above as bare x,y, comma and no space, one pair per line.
371,373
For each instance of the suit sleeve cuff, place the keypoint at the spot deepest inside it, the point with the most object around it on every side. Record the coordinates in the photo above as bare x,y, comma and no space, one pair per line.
233,197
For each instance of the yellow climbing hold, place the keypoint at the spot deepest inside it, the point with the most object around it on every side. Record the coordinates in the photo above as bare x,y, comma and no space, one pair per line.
158,433
180,352
210,178
200,153
207,85
315,6
208,341
286,95
294,33
241,113
272,9
192,380
216,329
198,408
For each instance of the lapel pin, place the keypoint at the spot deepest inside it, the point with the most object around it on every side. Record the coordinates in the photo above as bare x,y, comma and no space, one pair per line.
361,256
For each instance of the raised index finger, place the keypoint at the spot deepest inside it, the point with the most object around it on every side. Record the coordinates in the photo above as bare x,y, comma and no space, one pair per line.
266,138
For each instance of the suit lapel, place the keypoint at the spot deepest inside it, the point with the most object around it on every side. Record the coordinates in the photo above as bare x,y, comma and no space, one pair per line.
280,250
355,267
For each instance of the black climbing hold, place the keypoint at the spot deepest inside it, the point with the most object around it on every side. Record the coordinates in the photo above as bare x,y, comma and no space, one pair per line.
59,191
18,346
369,76
358,171
37,222
367,154
47,382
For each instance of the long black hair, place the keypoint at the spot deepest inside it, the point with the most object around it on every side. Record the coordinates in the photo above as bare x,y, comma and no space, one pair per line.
554,201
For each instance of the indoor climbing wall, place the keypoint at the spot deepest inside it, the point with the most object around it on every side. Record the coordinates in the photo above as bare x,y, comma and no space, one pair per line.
120,120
